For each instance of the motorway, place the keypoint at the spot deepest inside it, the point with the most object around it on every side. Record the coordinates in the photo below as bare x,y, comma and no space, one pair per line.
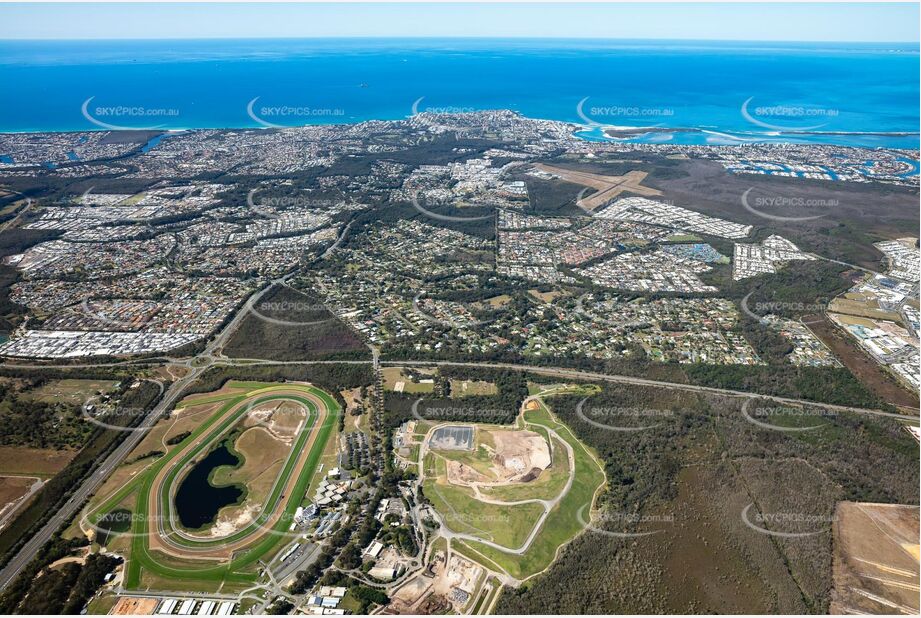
578,374
560,372
211,356
196,365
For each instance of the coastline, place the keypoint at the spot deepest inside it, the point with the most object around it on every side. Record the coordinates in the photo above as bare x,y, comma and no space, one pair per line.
691,136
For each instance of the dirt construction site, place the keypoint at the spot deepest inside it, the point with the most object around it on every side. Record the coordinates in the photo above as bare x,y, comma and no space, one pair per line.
875,561
447,583
502,456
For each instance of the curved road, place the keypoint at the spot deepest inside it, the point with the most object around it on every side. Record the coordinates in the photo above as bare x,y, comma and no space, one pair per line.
547,504
90,484
206,359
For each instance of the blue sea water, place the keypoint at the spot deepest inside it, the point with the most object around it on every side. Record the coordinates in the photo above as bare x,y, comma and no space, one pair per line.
727,92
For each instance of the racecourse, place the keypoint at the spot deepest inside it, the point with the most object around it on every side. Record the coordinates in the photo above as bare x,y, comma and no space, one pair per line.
161,548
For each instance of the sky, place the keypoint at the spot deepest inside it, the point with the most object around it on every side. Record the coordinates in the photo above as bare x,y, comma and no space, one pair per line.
857,22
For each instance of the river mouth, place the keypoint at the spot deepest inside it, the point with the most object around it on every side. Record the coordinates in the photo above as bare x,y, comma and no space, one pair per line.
198,501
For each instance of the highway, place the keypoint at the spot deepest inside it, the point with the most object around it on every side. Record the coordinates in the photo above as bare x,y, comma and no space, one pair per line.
578,374
196,365
211,356
92,483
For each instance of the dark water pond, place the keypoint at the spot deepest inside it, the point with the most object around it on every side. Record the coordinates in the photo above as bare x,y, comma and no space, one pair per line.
197,500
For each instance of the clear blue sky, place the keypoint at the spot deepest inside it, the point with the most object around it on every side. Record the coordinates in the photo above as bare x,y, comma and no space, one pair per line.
890,22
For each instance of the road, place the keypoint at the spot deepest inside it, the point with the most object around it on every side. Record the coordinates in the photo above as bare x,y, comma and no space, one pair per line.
211,356
7,512
548,505
22,211
197,365
91,483
561,372
300,560
578,374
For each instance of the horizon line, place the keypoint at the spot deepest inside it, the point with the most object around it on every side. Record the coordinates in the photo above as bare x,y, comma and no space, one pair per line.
451,38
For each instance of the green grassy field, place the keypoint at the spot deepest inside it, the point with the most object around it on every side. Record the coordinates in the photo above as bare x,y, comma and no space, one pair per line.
549,390
508,525
211,399
562,524
214,438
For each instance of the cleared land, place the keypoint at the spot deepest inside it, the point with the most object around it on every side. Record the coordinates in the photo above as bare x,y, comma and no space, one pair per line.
399,379
12,488
461,511
12,491
512,500
875,559
41,462
562,523
858,362
465,388
132,606
550,483
71,390
606,187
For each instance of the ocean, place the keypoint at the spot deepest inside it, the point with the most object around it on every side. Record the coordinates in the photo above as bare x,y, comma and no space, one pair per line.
712,92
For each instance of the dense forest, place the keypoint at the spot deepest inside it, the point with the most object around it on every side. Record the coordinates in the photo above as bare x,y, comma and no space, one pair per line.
686,480
288,324
28,421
